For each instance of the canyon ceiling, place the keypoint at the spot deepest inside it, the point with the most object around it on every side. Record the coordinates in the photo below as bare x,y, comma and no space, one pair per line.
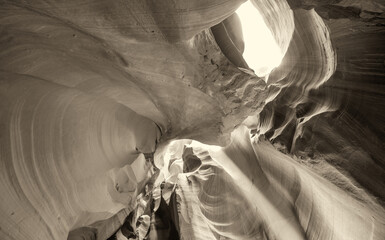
93,93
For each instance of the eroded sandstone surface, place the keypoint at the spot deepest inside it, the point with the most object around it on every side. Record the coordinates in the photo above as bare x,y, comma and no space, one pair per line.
92,93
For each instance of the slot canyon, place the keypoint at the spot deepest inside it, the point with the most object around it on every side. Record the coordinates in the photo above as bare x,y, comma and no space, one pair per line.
145,119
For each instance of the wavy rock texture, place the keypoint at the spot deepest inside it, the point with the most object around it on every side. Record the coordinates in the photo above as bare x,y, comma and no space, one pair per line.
55,164
86,87
268,195
339,121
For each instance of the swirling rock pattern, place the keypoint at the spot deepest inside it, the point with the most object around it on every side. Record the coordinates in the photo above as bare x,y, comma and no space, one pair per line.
86,87
329,120
268,194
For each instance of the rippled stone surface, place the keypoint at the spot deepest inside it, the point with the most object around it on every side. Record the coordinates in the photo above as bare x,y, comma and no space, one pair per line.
88,87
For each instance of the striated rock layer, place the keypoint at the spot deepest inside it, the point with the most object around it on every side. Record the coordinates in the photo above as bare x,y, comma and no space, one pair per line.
89,90
268,195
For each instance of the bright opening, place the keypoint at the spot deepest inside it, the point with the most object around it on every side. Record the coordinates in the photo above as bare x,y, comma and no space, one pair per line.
262,53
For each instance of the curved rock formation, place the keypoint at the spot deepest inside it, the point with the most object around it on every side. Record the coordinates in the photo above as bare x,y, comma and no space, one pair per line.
268,194
90,91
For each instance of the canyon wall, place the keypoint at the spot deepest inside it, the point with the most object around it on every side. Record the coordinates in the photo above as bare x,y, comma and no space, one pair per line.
87,87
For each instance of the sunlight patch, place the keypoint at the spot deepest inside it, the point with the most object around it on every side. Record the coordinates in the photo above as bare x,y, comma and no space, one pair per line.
262,53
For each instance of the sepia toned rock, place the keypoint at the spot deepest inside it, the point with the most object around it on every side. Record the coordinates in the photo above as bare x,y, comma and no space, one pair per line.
143,119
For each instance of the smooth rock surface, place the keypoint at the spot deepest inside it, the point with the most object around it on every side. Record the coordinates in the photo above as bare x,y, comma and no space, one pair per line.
88,87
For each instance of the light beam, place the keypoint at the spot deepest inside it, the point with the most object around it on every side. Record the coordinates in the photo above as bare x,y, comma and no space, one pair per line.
262,53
